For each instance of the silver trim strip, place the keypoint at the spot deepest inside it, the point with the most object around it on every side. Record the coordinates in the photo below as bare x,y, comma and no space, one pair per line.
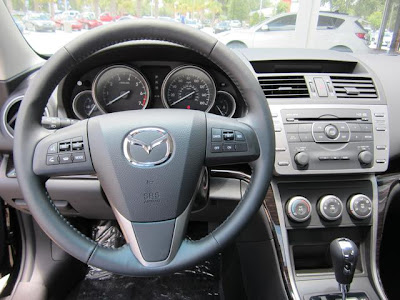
178,235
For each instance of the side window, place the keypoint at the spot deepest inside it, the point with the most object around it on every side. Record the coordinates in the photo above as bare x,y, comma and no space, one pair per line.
283,23
325,22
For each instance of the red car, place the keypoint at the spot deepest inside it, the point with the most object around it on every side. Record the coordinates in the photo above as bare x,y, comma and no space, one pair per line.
106,17
88,20
63,21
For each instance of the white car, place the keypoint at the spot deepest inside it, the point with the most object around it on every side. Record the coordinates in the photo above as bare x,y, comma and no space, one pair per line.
236,24
334,31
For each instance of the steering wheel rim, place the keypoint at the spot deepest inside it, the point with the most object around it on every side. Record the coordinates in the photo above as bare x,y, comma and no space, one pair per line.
29,133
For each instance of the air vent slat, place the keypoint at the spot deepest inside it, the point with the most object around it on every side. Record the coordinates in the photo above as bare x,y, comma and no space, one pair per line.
354,87
284,87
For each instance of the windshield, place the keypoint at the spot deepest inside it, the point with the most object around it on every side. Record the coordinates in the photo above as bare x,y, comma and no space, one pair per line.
39,17
359,26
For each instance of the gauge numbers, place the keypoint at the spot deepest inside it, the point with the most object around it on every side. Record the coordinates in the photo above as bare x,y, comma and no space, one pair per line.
188,87
84,106
120,88
225,105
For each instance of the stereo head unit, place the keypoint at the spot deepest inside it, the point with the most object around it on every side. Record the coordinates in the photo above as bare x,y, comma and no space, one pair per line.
325,139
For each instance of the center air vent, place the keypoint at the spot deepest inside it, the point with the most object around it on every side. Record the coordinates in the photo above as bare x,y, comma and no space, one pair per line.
11,113
354,87
284,87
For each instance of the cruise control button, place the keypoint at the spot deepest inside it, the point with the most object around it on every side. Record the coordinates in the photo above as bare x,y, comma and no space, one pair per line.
215,148
228,136
239,136
241,147
65,159
52,160
216,135
78,157
228,148
52,149
283,163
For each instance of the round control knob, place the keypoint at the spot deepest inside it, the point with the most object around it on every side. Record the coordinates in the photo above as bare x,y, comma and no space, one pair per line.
330,208
331,131
302,159
360,206
365,157
298,209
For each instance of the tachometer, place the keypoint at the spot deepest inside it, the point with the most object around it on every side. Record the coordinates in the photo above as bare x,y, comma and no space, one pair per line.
84,107
188,87
119,88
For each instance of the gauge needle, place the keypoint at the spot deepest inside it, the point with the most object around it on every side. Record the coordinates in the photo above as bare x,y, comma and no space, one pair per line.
92,110
183,98
119,97
220,111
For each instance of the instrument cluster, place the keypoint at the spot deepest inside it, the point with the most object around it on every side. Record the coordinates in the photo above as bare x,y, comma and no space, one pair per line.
120,87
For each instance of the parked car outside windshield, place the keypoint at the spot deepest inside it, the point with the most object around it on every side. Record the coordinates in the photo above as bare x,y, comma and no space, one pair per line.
347,26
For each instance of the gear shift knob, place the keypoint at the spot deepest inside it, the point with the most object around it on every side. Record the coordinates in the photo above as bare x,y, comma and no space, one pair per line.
344,254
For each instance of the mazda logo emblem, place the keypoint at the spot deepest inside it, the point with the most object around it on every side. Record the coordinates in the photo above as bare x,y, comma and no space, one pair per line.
147,147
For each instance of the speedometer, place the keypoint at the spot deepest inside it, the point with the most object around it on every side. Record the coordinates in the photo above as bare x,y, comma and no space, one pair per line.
119,88
188,87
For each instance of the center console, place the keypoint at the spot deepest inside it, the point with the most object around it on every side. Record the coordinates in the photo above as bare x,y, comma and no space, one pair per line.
331,133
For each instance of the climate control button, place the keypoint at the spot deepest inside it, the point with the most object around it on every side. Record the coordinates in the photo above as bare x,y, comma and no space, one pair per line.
360,206
330,208
298,209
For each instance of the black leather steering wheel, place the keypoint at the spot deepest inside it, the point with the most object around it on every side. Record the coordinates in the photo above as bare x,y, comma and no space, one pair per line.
149,162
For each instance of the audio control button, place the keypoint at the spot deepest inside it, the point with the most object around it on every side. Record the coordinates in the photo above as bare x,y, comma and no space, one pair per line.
354,127
293,138
302,159
331,131
306,137
365,157
298,209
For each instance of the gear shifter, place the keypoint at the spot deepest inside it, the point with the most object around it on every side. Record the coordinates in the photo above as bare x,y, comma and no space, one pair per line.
344,254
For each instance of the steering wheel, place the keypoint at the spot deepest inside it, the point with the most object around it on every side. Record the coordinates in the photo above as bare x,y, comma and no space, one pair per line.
149,163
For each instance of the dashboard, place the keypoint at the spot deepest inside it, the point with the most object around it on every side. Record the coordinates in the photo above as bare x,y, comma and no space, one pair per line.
183,80
334,131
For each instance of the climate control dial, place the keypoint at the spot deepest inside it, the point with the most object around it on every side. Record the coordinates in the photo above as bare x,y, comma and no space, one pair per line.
298,209
330,208
360,206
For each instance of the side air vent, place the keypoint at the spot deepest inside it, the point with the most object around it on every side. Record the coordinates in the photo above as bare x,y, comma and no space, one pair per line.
11,113
284,87
354,87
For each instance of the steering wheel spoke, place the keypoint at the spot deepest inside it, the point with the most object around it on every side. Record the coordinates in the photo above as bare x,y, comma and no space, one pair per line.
166,238
230,141
64,152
